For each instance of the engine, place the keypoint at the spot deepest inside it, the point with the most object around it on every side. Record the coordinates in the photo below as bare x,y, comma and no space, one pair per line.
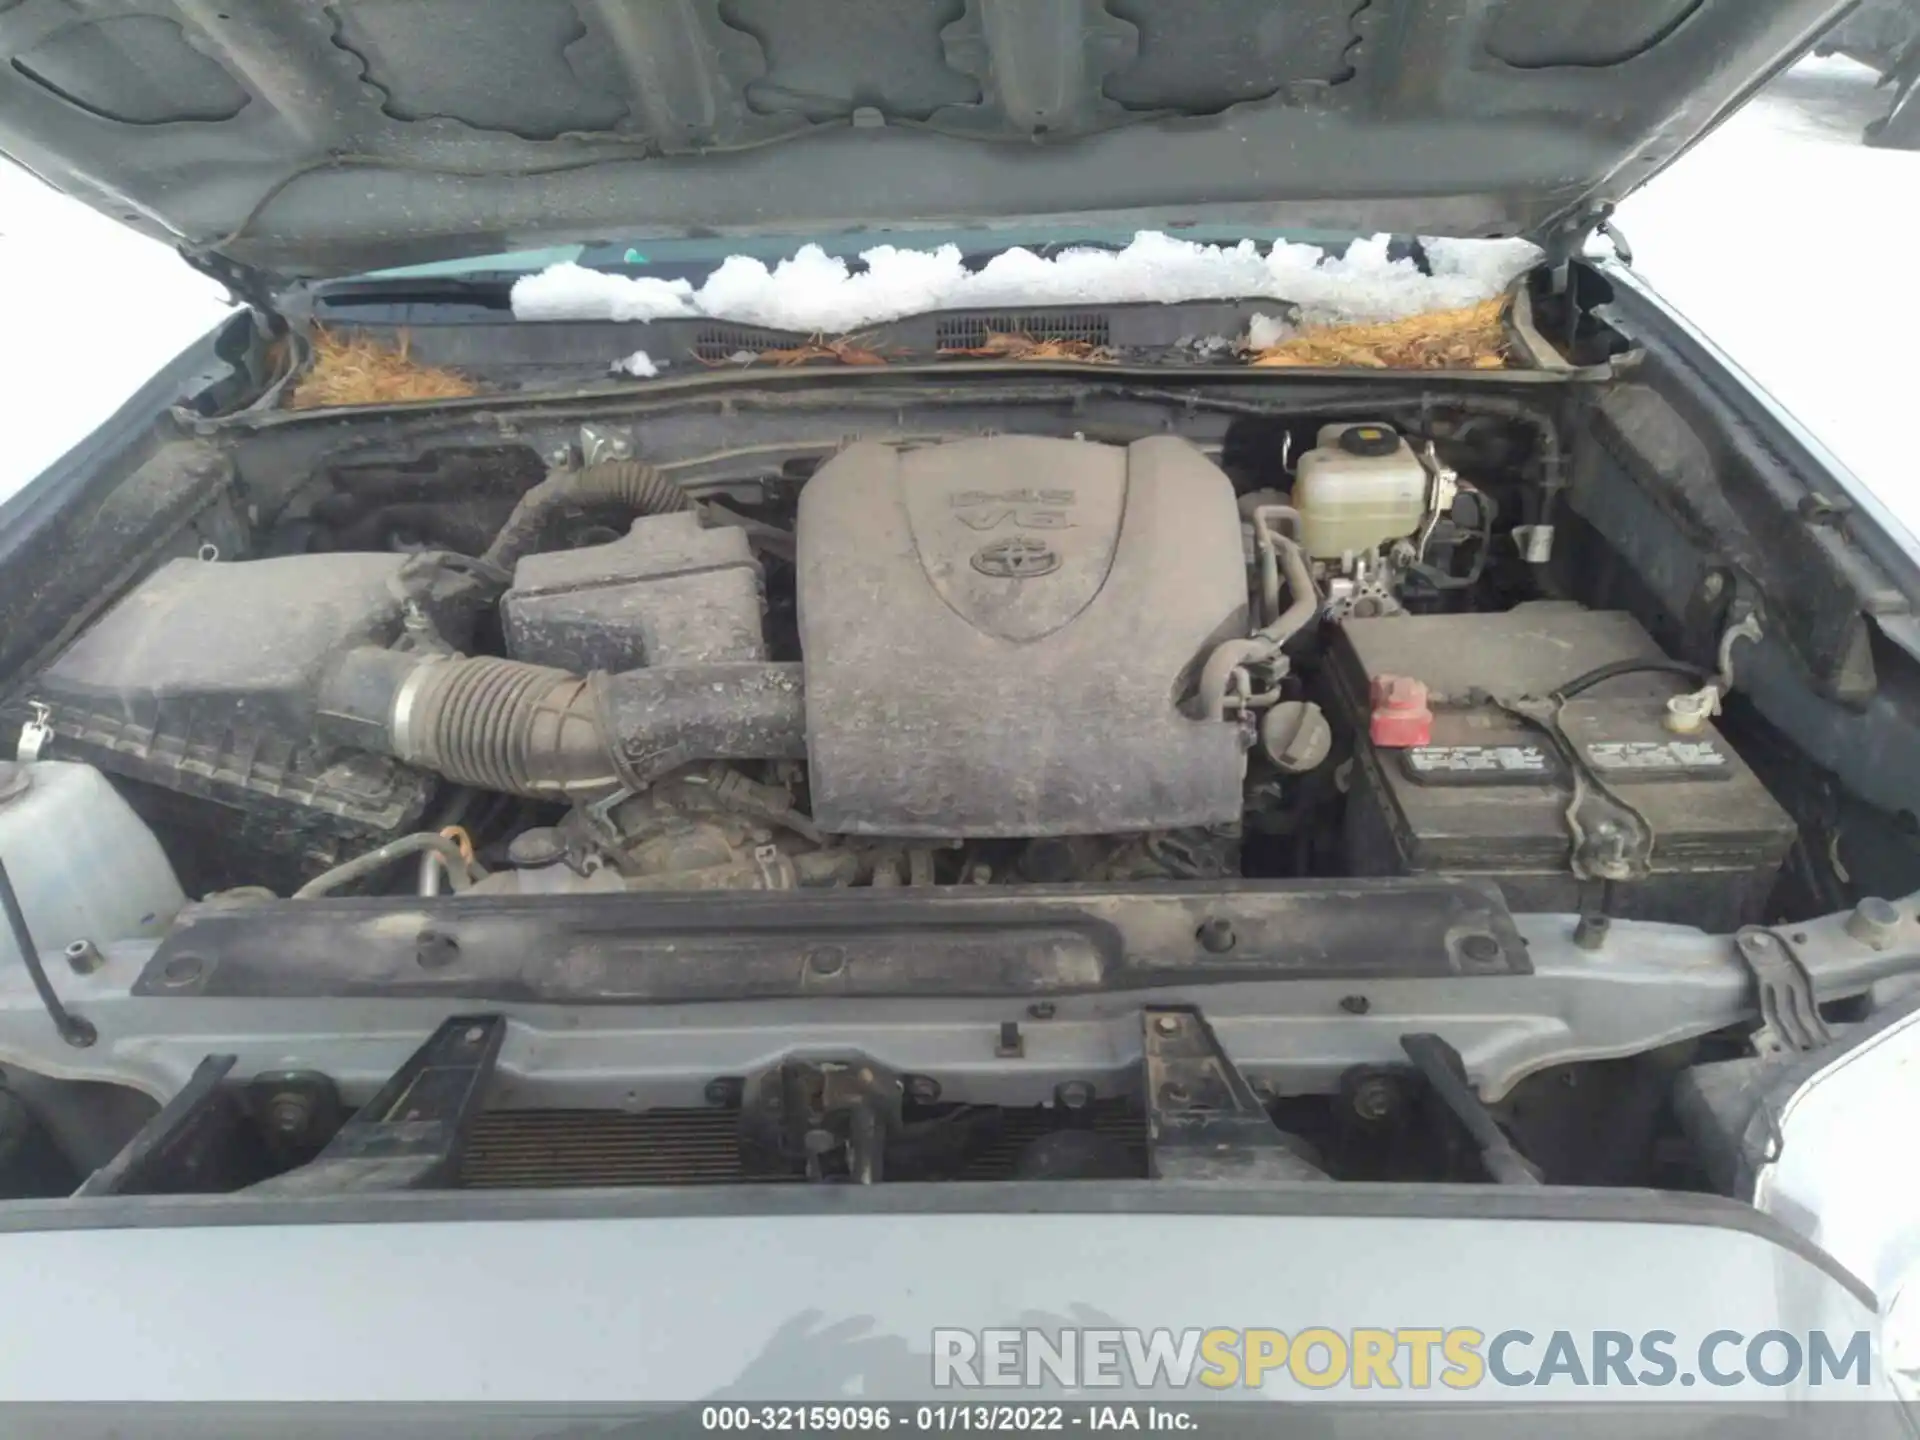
1010,659
1000,639
999,636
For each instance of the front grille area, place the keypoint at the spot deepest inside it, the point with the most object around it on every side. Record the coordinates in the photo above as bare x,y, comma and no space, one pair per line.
567,1149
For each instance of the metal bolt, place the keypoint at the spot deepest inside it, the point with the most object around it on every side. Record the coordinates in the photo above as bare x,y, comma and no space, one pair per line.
435,949
1874,923
1480,950
1073,1095
1166,1025
1041,1010
1216,937
1373,1099
84,957
826,959
182,970
1592,932
289,1113
923,1089
1818,509
1174,1093
1712,587
726,1091
1355,1004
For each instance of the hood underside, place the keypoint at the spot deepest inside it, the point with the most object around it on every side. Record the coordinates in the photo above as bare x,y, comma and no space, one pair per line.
303,139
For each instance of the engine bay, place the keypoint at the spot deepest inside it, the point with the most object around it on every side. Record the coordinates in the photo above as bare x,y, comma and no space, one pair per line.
1005,660
1012,782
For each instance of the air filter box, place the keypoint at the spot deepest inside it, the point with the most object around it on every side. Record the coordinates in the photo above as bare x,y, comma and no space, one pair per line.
1488,794
203,682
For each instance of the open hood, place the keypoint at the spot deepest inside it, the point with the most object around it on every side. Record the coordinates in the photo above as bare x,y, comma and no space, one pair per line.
301,139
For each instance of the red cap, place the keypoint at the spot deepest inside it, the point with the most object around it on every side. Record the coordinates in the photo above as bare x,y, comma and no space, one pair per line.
1401,719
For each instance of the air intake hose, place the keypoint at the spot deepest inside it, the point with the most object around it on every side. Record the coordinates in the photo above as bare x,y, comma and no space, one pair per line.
530,730
630,484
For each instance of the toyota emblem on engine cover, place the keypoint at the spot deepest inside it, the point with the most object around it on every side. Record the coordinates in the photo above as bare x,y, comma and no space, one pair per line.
1017,558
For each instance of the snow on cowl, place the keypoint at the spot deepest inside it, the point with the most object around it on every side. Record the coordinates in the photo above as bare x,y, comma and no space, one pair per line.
814,292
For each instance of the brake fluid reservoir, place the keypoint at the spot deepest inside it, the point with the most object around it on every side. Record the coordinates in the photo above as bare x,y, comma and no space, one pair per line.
83,864
1360,488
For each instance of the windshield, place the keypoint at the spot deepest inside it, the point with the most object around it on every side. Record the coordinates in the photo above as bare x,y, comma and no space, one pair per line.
693,258
851,282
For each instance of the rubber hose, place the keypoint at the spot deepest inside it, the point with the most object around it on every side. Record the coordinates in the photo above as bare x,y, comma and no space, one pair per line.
1293,561
1216,676
505,726
1282,554
1263,518
520,729
631,484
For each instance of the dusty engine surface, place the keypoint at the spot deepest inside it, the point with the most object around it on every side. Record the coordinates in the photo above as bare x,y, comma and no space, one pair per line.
671,592
999,639
1001,659
998,635
203,682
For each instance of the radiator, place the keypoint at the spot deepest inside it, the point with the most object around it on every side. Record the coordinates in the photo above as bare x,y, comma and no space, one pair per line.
556,1149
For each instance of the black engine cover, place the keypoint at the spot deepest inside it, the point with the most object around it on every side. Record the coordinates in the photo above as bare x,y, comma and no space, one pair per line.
998,634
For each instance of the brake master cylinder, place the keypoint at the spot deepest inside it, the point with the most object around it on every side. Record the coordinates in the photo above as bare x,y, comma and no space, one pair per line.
1358,490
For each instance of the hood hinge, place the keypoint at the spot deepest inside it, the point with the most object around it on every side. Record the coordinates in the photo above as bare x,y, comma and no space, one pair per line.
1567,241
248,286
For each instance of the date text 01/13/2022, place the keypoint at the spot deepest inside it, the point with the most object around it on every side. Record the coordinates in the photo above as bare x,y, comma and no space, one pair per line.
940,1419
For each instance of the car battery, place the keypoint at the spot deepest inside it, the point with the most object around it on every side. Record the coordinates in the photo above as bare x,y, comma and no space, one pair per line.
1450,782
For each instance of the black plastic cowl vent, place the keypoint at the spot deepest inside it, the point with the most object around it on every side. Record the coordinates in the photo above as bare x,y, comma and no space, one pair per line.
717,344
969,332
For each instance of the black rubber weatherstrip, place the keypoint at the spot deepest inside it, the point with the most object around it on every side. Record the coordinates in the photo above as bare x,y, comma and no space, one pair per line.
948,942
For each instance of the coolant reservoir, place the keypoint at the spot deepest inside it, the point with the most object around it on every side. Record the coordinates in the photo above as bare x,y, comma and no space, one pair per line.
1360,488
83,864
